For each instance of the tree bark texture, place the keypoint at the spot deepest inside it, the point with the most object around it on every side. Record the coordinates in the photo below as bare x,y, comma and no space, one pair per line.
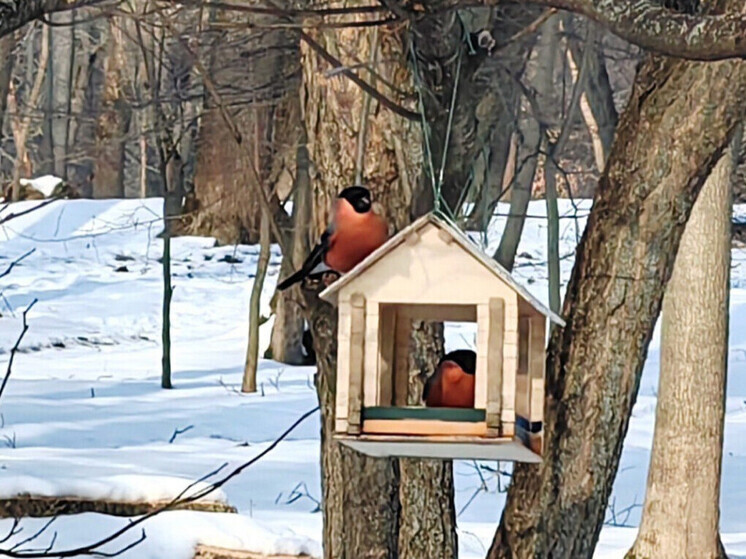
531,132
7,47
252,352
360,500
423,483
286,342
681,512
257,74
675,127
483,119
367,513
114,118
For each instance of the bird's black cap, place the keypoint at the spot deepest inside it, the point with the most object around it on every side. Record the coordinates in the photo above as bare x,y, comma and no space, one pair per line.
464,358
358,197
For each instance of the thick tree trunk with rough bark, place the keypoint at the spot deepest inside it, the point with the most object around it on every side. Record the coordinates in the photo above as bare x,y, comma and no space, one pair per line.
423,483
677,123
681,513
257,75
367,512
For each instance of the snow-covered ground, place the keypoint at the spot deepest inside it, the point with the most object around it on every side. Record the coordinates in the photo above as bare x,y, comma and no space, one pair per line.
83,413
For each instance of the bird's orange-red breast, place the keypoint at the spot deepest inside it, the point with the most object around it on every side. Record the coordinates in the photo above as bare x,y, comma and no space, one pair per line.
452,383
355,236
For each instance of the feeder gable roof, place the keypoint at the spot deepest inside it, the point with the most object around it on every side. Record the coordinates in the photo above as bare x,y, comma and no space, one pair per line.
463,241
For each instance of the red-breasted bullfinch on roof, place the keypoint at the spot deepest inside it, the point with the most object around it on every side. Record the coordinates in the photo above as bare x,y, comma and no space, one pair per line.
355,231
452,383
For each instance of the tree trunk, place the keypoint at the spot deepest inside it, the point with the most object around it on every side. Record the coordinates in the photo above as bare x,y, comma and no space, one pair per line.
530,141
22,125
677,123
257,75
365,514
597,92
286,343
46,143
423,483
252,351
7,47
113,120
85,103
681,513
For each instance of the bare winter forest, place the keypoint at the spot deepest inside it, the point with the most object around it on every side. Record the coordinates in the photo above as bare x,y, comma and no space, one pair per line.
164,163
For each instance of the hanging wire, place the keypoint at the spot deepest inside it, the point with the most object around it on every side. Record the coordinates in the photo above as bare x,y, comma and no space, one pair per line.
449,127
425,127
439,208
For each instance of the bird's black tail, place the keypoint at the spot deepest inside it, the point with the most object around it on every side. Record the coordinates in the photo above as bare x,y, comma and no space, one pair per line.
292,280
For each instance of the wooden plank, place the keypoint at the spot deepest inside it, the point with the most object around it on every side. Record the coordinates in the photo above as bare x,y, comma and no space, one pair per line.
537,366
522,392
442,313
340,424
482,372
342,402
412,412
423,273
386,359
496,375
371,380
423,427
401,351
510,366
213,552
356,359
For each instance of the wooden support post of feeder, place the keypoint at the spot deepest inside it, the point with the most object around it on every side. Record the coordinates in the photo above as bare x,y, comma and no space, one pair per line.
495,343
356,363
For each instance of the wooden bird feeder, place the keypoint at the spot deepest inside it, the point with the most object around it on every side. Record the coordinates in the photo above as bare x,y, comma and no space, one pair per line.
432,271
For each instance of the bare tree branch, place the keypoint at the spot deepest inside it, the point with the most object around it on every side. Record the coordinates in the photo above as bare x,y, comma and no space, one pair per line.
15,262
94,548
14,350
648,24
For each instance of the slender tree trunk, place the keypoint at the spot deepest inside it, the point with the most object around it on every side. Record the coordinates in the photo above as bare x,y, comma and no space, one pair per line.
7,46
548,48
21,127
667,143
85,103
286,343
252,352
530,141
63,63
599,110
166,309
46,145
681,513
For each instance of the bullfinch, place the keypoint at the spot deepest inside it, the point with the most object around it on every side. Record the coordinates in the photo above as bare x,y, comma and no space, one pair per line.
355,231
452,383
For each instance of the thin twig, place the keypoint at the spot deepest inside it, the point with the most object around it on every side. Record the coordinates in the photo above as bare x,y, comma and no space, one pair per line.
365,86
15,262
14,350
14,215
